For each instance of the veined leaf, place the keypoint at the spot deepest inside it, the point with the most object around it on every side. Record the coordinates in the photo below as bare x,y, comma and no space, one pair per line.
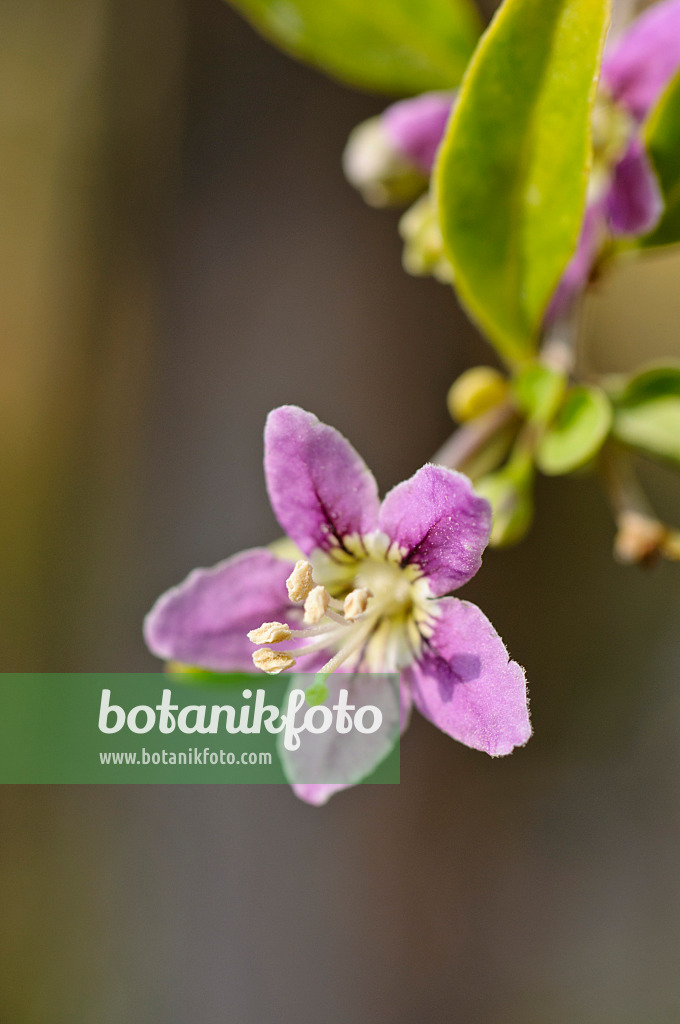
513,169
394,46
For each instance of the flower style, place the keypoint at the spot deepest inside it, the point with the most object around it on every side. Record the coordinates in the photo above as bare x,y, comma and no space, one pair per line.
623,199
370,591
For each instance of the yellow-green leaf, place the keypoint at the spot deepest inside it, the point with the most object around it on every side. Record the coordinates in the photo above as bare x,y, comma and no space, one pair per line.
394,46
577,433
647,413
513,169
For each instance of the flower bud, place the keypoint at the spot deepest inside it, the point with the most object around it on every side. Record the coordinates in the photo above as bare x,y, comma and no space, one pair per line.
640,538
377,169
423,243
475,392
389,158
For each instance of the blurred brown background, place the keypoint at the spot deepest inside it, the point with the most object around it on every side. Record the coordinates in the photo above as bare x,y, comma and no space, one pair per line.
179,254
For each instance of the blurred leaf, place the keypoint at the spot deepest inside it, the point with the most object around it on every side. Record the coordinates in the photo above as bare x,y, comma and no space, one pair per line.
662,139
647,413
578,432
513,168
510,493
492,454
538,391
192,675
394,46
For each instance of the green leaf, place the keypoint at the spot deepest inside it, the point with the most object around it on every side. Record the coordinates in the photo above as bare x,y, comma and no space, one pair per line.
577,433
192,675
513,169
394,46
538,391
647,413
510,493
662,139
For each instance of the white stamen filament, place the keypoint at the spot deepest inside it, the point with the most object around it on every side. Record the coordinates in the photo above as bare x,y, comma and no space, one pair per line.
381,621
360,634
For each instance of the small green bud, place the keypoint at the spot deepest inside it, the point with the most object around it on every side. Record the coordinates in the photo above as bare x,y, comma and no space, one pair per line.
475,392
423,243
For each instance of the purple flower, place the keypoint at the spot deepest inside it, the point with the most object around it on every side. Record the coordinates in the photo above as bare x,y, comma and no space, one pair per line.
370,591
624,197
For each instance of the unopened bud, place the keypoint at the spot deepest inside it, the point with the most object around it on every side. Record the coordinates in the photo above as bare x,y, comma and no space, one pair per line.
273,662
270,633
300,581
423,243
355,603
475,392
374,165
640,538
316,605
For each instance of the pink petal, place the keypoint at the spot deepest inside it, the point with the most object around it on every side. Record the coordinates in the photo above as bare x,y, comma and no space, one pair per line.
204,620
578,270
466,684
634,201
317,793
320,488
640,65
328,762
416,127
441,523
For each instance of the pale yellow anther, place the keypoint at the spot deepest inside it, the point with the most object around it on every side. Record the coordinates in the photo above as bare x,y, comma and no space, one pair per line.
316,605
356,603
270,633
273,662
300,581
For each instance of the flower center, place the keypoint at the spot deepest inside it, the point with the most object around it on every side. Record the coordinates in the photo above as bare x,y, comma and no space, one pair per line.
388,584
368,608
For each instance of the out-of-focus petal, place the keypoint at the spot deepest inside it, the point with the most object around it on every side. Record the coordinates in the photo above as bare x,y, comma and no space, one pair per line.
319,486
440,524
634,203
329,761
317,793
204,620
639,65
578,270
466,685
416,126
